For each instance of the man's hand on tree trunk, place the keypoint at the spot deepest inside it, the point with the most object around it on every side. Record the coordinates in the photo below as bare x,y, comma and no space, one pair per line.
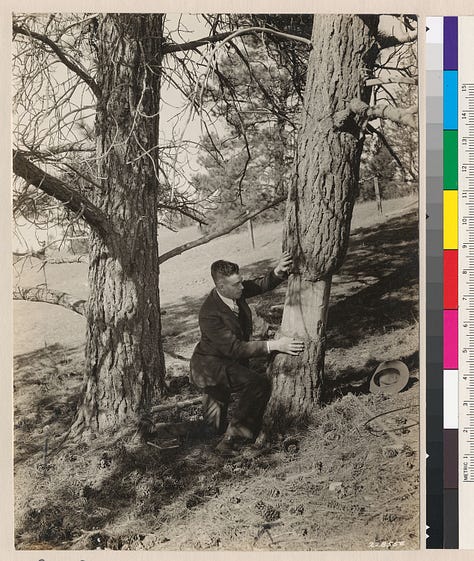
284,265
286,345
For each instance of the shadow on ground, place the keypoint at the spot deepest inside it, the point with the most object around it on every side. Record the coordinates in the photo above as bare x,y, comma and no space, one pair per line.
376,289
356,381
375,294
47,388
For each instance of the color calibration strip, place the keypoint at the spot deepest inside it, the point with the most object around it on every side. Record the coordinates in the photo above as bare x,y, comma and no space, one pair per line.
450,365
466,281
434,283
450,282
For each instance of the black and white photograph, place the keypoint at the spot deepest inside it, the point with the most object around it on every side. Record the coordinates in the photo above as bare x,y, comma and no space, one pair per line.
216,321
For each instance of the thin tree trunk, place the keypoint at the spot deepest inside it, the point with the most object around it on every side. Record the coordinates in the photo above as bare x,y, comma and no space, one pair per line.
251,234
124,354
320,202
377,195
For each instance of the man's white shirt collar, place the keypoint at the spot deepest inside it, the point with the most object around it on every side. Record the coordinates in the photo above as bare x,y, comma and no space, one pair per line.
228,301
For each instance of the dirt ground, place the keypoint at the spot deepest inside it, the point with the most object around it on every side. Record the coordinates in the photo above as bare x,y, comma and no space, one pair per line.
347,481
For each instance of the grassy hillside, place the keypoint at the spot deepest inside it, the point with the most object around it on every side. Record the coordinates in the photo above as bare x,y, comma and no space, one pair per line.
346,481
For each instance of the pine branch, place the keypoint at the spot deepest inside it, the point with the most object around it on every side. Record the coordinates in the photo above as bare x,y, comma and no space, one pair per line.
259,83
56,188
49,296
62,57
209,237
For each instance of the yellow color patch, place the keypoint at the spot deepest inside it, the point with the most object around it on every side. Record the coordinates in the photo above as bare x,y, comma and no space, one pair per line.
450,219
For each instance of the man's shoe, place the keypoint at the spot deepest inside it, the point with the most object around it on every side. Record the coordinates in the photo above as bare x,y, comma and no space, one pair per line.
239,431
226,447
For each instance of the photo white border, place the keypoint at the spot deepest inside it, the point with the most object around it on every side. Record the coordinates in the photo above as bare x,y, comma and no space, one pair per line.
419,7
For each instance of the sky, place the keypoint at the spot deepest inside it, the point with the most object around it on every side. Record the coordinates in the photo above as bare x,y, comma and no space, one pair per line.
178,123
177,120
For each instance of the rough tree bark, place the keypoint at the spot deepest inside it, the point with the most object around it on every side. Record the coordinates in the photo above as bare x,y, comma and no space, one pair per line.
124,354
320,202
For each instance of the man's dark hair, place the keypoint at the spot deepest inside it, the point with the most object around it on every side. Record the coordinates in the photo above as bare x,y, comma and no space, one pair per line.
223,268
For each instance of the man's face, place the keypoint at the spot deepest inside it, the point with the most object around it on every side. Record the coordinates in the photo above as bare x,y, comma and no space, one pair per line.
231,287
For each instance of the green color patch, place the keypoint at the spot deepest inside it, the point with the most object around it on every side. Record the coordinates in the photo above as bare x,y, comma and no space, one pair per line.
450,159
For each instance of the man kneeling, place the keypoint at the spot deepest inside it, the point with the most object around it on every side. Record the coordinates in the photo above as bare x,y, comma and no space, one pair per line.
220,361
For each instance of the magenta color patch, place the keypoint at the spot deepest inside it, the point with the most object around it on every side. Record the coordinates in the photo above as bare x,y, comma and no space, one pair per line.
450,338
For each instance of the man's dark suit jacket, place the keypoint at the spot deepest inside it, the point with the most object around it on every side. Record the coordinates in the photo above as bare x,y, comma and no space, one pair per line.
225,338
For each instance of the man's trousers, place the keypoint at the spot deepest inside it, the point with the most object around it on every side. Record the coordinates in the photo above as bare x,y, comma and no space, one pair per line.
251,392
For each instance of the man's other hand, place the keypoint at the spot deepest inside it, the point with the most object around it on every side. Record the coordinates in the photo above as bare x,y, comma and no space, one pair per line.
284,265
287,345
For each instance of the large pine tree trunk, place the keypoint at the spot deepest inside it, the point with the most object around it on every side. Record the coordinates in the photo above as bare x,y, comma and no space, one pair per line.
124,355
296,389
320,202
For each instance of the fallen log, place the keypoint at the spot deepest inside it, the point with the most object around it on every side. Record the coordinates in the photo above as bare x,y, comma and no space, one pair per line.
176,404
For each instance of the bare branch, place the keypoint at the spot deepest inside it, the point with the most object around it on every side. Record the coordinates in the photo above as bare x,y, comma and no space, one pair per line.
185,212
397,115
57,150
172,48
209,237
386,144
247,160
56,188
62,57
40,254
80,174
391,80
65,260
49,296
399,38
176,404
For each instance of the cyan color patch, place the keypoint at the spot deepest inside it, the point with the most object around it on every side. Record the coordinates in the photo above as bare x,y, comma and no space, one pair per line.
450,99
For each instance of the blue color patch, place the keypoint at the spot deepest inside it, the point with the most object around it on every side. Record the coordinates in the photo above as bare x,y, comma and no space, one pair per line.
450,100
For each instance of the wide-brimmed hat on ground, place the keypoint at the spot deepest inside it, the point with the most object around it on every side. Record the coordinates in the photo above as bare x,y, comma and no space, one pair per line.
390,377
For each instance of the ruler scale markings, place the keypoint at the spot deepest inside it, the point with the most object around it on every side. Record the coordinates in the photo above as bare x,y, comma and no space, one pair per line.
466,309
